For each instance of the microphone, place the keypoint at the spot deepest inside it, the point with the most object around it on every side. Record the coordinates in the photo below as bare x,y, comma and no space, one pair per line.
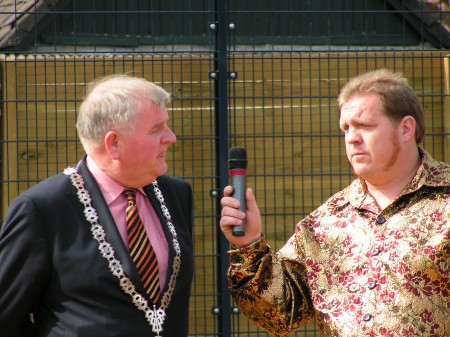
237,163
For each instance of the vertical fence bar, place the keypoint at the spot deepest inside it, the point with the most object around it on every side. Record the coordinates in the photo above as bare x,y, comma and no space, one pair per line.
221,108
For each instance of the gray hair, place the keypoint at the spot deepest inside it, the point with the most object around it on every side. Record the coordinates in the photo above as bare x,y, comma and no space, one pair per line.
112,103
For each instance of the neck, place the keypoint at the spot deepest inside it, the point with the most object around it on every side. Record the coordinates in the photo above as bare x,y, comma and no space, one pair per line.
387,190
113,170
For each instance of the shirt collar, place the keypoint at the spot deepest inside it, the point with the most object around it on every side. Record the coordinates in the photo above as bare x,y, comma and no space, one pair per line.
110,188
430,172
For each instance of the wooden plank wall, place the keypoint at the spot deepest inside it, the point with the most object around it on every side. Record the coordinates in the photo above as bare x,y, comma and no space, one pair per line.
282,109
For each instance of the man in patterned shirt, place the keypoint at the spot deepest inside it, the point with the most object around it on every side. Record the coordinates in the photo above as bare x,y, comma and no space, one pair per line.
374,259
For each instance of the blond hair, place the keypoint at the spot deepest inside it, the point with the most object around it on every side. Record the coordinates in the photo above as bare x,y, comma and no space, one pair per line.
397,97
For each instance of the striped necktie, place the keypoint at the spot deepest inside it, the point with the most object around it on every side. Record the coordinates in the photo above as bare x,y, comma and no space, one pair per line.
141,250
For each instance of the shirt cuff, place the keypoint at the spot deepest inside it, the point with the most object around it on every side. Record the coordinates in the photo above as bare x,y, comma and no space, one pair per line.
248,253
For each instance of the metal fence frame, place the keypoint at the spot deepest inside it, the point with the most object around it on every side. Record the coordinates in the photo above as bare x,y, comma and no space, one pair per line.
232,92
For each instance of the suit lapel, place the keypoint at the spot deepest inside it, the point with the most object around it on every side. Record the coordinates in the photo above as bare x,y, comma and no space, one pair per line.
106,220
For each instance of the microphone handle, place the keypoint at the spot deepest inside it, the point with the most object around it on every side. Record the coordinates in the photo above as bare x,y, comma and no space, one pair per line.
238,183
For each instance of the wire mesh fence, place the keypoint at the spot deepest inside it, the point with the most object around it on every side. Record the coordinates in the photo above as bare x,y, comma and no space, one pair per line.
284,62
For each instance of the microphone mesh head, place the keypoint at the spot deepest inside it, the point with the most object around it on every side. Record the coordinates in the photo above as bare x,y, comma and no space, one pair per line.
237,158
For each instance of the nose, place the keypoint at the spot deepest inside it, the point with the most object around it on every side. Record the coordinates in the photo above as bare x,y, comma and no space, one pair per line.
352,136
169,136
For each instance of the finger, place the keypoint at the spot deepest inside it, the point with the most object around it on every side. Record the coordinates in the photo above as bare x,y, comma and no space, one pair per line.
230,202
232,212
250,200
228,191
229,221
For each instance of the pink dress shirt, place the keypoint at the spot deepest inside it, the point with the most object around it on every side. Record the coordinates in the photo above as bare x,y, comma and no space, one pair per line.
116,201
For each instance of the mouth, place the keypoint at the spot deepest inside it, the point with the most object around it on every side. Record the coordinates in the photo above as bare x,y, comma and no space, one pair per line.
358,154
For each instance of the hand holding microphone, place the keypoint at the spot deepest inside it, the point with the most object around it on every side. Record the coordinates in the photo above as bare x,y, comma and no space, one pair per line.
237,164
241,219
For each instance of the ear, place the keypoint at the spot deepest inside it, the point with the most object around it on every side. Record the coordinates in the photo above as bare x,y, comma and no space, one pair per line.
111,141
408,128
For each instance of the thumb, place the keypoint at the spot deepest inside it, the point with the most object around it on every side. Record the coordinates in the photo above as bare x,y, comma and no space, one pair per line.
253,216
250,199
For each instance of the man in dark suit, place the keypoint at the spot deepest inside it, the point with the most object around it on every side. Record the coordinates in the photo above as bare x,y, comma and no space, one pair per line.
65,264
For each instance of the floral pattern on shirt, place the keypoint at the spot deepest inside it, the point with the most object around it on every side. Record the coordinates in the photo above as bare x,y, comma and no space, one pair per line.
359,270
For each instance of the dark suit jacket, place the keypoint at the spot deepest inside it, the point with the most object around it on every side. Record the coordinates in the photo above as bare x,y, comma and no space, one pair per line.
50,264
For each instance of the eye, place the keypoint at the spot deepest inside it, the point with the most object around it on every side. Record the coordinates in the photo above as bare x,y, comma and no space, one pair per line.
345,128
158,129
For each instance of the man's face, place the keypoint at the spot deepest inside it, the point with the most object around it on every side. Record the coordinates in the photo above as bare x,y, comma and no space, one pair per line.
371,138
143,150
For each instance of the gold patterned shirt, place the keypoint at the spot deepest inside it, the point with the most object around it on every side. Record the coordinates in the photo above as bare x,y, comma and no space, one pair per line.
359,270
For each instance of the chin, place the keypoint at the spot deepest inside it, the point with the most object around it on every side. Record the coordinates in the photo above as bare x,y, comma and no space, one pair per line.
159,173
164,169
358,171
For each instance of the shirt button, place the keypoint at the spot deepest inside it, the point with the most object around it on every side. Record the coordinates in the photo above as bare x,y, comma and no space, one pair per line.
375,251
367,317
381,220
371,285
